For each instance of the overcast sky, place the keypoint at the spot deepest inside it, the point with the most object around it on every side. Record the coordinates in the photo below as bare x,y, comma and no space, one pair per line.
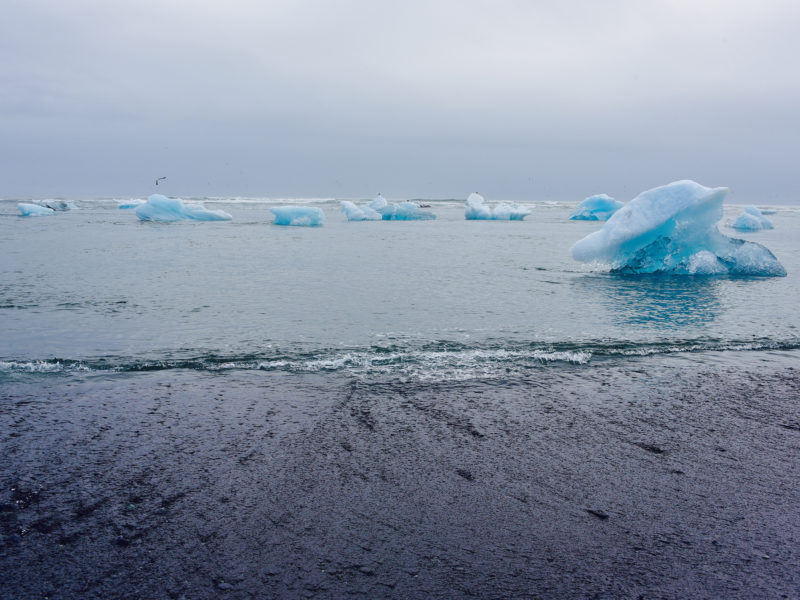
525,100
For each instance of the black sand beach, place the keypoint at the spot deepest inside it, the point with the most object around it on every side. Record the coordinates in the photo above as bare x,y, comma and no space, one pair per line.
657,477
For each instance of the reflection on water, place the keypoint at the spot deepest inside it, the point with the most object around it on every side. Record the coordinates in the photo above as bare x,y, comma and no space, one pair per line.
656,301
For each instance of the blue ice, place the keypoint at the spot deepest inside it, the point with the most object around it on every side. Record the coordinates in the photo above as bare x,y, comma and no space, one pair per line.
300,216
405,211
387,211
673,229
26,209
359,213
596,208
751,219
476,209
161,208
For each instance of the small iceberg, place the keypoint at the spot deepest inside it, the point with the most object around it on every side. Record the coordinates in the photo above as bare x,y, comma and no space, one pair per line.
379,209
477,210
298,216
359,213
751,219
673,229
162,209
404,211
596,208
26,209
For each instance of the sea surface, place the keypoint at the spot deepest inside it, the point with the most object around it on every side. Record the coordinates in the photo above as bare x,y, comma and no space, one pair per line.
94,290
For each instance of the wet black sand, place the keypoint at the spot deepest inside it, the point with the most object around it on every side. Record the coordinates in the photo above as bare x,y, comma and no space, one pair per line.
673,477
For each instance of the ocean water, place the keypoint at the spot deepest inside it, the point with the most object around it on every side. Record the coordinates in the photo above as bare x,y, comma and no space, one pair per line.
94,290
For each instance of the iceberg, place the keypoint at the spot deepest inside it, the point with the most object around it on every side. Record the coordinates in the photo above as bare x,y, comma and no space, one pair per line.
751,219
504,211
379,209
359,213
673,229
163,209
27,209
596,208
405,211
300,216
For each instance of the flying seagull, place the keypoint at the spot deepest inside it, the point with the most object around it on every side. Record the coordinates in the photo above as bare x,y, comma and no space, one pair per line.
160,179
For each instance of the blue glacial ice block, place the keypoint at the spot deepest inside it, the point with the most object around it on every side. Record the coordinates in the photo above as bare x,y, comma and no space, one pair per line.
27,209
407,211
359,213
476,209
596,208
751,219
163,209
673,229
300,216
404,211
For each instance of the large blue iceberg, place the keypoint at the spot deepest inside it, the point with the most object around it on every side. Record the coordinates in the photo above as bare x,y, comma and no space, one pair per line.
596,208
751,219
359,213
673,229
163,209
26,209
300,216
476,209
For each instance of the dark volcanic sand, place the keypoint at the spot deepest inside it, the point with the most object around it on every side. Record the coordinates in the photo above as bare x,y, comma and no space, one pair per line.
656,478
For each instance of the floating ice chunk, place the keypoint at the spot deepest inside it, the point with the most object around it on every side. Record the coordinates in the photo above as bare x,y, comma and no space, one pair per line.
510,211
27,209
504,211
673,229
301,216
161,208
596,208
404,211
751,219
359,213
132,203
476,209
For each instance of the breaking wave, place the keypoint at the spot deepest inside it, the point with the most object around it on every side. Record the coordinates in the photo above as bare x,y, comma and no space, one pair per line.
445,361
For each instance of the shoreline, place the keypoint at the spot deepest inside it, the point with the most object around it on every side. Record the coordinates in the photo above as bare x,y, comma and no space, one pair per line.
659,477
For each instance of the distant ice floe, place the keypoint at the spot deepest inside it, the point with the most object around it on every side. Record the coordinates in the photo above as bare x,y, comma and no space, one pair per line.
673,229
163,209
751,219
27,209
599,207
299,216
380,209
476,209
